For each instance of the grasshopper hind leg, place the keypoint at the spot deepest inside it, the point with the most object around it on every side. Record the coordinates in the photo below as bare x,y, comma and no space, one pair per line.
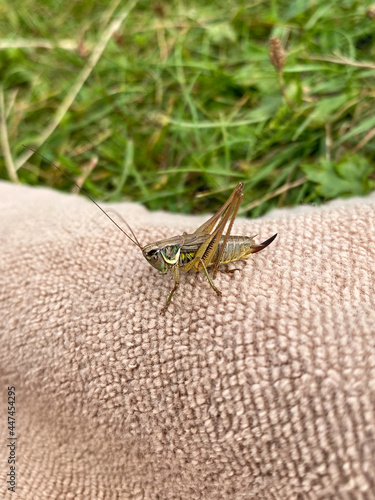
229,271
208,277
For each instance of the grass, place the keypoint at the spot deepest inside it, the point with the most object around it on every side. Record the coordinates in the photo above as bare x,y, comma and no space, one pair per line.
157,102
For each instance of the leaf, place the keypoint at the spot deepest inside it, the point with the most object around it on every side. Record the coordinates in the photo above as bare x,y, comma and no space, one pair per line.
348,177
221,32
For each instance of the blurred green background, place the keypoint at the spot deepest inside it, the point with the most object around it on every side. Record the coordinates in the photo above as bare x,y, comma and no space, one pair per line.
172,103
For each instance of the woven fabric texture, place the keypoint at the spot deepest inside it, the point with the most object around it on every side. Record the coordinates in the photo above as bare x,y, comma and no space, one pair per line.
267,392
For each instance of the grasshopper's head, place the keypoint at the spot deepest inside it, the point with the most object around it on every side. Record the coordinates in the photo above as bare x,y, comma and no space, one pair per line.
164,254
154,256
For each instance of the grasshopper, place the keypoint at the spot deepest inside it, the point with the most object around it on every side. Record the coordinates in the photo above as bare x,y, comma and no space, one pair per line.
207,246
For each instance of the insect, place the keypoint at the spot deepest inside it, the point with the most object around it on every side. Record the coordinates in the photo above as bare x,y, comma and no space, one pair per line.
210,245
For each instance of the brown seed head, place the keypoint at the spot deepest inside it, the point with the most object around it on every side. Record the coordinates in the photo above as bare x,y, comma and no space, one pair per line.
371,11
277,54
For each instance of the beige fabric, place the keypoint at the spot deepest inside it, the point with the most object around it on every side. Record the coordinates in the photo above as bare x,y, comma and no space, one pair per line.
265,393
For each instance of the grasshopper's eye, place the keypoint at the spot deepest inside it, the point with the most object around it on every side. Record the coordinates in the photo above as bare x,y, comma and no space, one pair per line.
153,254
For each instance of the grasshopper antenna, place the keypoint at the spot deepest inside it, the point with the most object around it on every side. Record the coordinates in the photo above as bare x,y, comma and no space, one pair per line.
135,240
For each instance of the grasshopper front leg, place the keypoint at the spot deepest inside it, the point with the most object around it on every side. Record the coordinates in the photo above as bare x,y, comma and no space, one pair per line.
176,276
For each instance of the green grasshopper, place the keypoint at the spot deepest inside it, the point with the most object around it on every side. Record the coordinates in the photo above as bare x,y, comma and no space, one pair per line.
207,246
